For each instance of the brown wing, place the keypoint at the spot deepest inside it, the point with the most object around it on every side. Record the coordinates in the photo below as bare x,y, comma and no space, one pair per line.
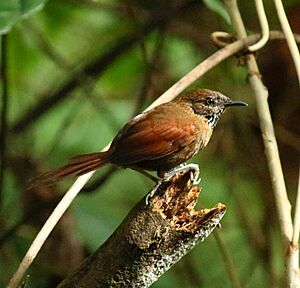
152,136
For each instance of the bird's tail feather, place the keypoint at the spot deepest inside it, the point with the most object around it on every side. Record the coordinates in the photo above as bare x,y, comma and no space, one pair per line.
76,166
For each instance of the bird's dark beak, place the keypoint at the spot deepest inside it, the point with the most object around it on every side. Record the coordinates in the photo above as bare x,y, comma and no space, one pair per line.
231,102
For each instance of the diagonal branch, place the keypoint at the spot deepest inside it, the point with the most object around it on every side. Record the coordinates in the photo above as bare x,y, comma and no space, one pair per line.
157,233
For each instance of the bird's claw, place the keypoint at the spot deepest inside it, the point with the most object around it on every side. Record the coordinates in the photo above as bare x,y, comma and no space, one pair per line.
194,173
152,192
194,176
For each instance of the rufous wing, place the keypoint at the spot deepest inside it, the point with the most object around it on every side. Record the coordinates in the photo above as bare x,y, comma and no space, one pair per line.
150,139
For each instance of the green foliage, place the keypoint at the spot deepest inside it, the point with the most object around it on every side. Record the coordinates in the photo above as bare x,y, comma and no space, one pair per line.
12,11
49,48
181,56
217,6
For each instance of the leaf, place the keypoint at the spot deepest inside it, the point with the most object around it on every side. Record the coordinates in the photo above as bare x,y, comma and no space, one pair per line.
218,7
11,11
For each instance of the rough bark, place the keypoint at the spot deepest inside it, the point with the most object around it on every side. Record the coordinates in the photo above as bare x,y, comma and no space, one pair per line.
158,231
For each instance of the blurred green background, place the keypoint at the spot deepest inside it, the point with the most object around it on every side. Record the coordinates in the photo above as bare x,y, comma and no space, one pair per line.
78,70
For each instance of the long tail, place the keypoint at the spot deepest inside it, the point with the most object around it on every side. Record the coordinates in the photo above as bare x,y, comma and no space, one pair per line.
76,166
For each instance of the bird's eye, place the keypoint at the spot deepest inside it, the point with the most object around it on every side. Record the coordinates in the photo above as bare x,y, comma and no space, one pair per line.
210,101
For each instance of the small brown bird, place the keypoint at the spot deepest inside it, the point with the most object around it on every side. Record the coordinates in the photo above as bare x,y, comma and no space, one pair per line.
157,140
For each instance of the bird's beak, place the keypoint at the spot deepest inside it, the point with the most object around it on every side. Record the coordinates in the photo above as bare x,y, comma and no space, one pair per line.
235,103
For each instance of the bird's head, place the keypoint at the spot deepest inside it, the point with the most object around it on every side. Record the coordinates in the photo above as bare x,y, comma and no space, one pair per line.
209,104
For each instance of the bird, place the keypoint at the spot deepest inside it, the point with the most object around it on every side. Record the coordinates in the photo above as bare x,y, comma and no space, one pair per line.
157,140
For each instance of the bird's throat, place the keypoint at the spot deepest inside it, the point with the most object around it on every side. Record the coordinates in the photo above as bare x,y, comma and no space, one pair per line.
212,119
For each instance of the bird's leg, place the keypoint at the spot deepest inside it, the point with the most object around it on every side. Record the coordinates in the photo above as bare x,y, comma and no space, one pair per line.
194,175
151,194
185,167
158,182
142,171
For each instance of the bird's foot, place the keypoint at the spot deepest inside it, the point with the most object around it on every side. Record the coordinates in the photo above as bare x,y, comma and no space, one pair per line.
152,192
194,176
142,171
194,173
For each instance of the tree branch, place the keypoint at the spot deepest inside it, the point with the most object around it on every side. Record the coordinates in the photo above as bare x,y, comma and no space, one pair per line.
266,124
158,232
269,139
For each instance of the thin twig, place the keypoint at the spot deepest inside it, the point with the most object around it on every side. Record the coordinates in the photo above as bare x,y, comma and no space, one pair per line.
12,230
65,124
269,139
139,30
222,39
296,229
266,124
47,228
227,260
4,108
186,270
40,40
289,35
148,76
100,181
264,26
293,254
273,159
70,195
